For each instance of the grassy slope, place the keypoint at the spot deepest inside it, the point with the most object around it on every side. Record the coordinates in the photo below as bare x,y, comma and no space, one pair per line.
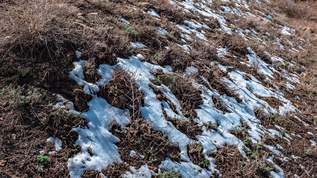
37,47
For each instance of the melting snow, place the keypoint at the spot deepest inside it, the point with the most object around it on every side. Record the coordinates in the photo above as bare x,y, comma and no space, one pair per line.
161,31
101,114
57,143
258,63
287,31
142,172
154,13
138,45
124,21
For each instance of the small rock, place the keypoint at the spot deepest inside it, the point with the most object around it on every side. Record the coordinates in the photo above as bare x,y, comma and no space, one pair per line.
2,163
159,97
25,71
308,30
228,55
155,169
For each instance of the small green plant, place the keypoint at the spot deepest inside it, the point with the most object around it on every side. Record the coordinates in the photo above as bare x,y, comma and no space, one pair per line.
244,129
245,141
254,155
204,163
307,152
174,79
17,95
130,30
258,146
160,56
275,117
188,113
40,168
140,138
151,161
83,51
283,132
158,80
72,150
195,147
211,125
174,155
43,159
233,27
169,173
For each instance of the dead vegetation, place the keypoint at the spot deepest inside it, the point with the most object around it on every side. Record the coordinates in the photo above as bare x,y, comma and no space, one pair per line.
231,163
150,146
122,92
26,121
195,154
189,98
37,47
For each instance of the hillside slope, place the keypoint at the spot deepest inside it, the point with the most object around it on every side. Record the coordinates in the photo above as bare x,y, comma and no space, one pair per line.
166,88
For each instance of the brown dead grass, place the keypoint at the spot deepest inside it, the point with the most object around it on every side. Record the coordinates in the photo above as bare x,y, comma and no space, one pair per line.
230,163
195,153
300,9
122,92
188,96
235,43
144,140
301,15
26,123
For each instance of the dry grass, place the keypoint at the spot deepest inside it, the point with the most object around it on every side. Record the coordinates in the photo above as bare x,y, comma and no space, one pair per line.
301,9
37,27
235,43
300,15
122,92
142,138
231,164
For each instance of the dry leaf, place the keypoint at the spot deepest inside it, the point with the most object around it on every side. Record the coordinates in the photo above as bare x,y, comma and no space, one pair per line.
2,162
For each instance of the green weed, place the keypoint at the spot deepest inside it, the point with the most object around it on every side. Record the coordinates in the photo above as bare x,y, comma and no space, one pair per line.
43,159
169,174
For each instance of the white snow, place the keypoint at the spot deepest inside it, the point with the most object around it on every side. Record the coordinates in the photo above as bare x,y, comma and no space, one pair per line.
191,70
185,169
57,143
64,104
277,59
154,13
125,21
310,133
97,138
287,31
258,63
142,172
132,153
78,75
192,30
78,54
138,45
161,31
304,123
